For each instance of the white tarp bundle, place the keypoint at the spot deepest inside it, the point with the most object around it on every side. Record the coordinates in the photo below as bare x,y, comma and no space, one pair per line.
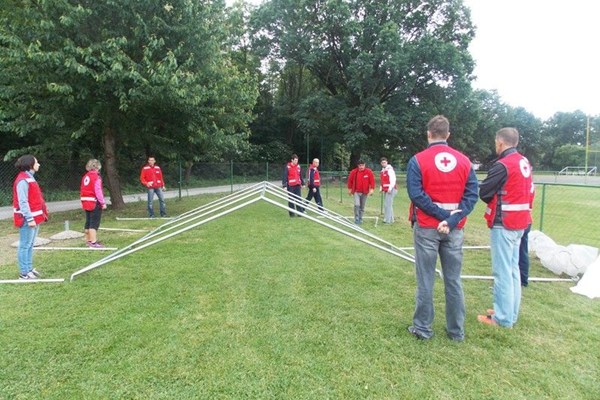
589,284
571,260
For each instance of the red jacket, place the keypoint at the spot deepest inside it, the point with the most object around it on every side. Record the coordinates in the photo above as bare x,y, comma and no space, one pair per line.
152,177
444,173
515,198
361,181
87,191
37,205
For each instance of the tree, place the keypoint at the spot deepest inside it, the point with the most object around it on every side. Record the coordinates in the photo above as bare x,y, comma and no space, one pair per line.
568,155
384,67
123,76
562,129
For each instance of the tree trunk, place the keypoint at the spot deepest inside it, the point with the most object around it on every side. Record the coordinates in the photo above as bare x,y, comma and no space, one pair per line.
110,166
354,157
188,171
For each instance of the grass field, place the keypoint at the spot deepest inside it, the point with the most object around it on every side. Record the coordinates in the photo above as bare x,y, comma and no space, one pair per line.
258,305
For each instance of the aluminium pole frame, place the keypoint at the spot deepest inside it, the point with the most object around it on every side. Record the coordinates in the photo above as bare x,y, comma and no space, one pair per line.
262,191
278,197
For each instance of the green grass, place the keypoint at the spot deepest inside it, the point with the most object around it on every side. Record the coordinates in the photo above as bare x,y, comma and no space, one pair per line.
259,305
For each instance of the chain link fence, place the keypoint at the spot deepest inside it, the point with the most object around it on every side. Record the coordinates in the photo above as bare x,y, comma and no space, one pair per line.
566,208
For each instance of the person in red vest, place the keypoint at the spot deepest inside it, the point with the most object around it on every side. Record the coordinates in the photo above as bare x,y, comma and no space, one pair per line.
361,184
314,184
442,187
92,201
152,179
29,212
292,180
508,192
387,177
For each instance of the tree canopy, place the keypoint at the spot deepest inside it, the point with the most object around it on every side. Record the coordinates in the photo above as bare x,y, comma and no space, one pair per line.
198,81
124,78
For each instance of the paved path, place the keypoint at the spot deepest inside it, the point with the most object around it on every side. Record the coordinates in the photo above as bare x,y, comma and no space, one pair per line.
58,206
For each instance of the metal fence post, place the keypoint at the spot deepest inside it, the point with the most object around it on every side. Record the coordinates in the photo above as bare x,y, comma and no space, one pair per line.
180,177
231,175
341,195
542,210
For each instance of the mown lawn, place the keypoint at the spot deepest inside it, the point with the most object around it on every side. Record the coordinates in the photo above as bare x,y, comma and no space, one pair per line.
259,305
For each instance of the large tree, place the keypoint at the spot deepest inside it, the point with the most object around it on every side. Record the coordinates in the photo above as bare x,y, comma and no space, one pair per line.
147,76
384,67
563,128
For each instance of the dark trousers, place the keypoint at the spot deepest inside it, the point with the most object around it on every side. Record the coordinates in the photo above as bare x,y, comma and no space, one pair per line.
317,196
524,257
297,190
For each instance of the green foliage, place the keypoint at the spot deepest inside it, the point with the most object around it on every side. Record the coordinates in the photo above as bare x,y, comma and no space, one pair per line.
124,78
568,155
383,68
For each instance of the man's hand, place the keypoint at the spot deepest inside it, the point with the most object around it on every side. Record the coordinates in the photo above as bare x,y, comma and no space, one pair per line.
370,192
443,228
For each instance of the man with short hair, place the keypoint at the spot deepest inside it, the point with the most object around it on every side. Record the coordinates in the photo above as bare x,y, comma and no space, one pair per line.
152,179
292,180
442,187
361,184
508,192
387,178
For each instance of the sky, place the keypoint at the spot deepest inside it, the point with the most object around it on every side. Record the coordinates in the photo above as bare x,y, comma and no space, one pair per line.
542,55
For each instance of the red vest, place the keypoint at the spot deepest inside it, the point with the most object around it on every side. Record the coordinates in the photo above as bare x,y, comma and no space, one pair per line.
153,176
293,175
316,176
384,177
444,174
515,197
88,194
37,206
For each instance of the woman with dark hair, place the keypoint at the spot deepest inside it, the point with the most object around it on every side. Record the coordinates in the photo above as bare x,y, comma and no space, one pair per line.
29,212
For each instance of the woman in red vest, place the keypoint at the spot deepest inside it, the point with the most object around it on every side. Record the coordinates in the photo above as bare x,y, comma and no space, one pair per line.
92,201
29,212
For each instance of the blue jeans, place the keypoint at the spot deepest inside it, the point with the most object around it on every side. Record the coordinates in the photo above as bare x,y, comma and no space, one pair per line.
507,278
27,237
161,199
428,244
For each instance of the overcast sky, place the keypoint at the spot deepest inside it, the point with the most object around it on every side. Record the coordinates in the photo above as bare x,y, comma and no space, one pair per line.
540,55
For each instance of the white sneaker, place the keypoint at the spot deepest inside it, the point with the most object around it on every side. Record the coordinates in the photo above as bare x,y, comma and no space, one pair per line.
28,276
36,273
